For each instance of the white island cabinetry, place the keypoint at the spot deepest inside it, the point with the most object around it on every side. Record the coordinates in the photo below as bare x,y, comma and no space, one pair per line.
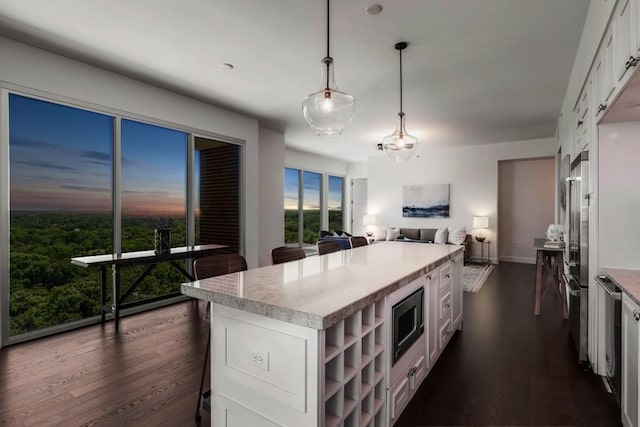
309,343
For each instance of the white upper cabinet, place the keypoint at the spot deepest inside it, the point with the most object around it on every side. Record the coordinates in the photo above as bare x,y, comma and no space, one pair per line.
598,79
623,37
582,116
608,81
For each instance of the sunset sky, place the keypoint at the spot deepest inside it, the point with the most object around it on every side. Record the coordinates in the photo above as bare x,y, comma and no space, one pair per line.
311,190
61,159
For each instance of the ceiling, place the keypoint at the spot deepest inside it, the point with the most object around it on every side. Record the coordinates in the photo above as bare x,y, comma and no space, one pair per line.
475,71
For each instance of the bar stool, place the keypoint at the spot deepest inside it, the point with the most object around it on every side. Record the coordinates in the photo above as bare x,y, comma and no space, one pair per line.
211,266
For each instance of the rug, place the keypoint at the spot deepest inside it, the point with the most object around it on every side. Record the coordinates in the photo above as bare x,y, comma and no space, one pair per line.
474,276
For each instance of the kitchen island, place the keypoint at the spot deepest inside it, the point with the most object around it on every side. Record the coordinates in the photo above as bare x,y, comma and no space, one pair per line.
308,342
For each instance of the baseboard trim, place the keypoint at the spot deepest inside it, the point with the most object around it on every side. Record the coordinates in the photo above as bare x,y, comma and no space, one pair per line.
522,260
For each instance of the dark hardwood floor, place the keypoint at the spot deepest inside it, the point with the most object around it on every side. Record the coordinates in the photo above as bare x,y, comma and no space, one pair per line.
511,368
147,375
507,367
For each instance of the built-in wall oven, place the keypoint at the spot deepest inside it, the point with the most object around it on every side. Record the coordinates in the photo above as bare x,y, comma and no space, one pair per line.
408,322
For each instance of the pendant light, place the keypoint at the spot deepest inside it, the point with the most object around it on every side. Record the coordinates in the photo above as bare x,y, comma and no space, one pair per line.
329,110
400,146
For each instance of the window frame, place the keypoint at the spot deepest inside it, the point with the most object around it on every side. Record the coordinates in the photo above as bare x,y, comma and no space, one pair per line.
7,89
324,198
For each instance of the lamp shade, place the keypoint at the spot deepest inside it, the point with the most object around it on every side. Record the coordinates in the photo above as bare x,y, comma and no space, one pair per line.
480,222
369,220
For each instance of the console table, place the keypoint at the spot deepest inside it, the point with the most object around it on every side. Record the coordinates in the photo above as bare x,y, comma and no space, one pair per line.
127,259
550,261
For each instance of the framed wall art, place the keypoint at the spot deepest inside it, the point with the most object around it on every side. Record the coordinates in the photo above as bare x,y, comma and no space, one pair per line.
425,201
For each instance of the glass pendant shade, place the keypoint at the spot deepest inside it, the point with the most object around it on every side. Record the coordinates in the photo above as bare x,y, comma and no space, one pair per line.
399,146
329,110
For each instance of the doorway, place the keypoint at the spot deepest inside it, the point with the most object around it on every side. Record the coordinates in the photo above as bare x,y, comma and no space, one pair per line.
526,189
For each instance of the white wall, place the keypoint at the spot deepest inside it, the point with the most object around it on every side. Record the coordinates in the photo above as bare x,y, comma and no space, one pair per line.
271,193
313,162
472,173
618,232
357,170
525,206
38,71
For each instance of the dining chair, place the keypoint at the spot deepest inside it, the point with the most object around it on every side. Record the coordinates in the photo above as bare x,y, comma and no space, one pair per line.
211,266
357,241
328,246
286,253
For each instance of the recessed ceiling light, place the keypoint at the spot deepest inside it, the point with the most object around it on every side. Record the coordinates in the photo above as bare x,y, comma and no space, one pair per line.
226,66
374,9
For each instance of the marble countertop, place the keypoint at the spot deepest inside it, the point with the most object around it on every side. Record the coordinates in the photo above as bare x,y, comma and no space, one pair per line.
627,280
319,291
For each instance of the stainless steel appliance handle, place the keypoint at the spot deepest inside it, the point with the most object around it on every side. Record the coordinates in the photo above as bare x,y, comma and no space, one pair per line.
613,295
572,292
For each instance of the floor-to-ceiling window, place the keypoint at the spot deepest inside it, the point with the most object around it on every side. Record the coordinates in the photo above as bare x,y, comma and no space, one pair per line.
291,207
60,207
307,209
153,188
311,197
335,202
61,199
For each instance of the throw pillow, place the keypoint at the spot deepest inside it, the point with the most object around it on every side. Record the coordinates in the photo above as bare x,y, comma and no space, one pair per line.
442,236
457,235
392,233
381,234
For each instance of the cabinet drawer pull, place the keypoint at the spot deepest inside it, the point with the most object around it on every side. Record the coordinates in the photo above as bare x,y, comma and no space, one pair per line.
631,62
428,277
601,107
447,276
636,314
579,124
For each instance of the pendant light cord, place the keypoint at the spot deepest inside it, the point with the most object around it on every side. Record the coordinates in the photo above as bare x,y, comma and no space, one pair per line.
328,29
328,63
401,81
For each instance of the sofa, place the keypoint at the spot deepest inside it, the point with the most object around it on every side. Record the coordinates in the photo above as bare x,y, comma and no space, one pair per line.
342,237
427,235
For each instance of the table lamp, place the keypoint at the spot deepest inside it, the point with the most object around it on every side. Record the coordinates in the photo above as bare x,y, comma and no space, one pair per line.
480,223
369,221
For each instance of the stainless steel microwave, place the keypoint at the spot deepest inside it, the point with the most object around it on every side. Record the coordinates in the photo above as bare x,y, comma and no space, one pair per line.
408,322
